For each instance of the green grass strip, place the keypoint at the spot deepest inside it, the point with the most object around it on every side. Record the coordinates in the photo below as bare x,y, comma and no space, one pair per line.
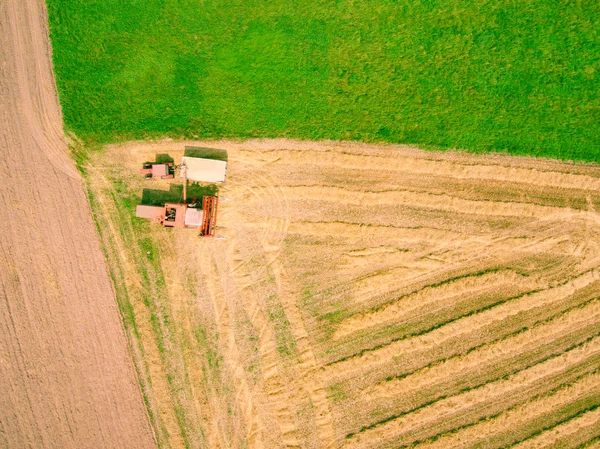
513,76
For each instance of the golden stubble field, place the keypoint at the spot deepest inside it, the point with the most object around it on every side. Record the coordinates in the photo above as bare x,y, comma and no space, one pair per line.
363,297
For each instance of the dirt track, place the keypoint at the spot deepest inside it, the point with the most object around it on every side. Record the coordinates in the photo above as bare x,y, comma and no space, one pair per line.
66,377
367,297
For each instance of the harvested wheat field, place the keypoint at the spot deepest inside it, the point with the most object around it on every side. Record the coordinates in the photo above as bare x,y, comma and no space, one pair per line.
66,376
363,297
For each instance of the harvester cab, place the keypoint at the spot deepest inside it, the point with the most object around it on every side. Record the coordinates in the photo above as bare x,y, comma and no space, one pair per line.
164,170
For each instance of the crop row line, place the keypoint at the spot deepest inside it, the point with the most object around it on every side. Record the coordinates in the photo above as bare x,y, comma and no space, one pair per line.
421,284
429,329
451,196
475,348
452,309
493,417
554,425
592,442
450,321
496,416
471,388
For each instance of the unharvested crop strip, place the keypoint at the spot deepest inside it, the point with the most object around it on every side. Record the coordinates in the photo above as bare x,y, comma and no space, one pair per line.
575,350
481,319
405,332
443,293
515,418
418,368
588,417
444,411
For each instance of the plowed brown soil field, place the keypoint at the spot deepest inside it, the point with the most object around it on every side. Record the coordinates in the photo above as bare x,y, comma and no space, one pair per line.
363,297
66,375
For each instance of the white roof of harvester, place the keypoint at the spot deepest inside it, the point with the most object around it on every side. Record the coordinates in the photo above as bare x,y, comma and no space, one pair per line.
193,217
206,170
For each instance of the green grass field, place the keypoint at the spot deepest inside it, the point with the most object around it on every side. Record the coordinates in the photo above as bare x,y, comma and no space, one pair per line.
520,76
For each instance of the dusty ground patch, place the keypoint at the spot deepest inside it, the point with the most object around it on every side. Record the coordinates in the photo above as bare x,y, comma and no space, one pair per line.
363,296
66,377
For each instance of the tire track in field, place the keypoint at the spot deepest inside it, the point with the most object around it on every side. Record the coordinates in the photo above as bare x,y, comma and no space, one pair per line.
268,420
282,393
252,413
305,372
442,202
440,164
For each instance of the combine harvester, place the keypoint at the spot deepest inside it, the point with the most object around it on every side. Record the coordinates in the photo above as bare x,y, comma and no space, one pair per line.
176,215
187,215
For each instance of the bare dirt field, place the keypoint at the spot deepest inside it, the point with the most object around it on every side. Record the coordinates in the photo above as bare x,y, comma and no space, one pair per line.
66,375
363,297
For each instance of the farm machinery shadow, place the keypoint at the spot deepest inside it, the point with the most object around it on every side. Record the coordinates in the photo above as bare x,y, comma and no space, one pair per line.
156,197
206,153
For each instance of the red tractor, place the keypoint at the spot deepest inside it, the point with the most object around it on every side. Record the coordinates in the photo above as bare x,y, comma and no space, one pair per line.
152,170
